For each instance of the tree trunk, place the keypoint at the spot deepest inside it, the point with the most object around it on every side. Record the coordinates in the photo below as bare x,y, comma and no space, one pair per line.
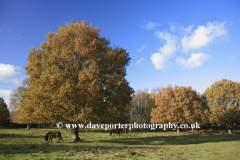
230,131
28,126
75,135
177,130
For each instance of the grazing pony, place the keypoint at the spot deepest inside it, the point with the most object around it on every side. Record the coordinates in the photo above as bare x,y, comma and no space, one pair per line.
118,131
124,130
51,135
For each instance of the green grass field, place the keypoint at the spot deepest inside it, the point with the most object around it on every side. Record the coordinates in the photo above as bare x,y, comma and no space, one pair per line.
98,144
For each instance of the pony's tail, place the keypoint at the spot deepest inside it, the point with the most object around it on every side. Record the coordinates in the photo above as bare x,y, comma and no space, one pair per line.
46,137
110,133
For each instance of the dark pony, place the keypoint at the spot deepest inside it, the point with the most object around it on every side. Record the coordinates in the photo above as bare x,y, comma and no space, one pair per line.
51,135
124,130
118,131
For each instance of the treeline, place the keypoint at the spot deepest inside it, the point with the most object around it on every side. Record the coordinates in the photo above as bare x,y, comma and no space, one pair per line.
218,105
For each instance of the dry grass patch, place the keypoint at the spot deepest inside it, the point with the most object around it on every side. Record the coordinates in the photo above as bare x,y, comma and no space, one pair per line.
7,155
45,144
32,146
41,152
215,153
180,153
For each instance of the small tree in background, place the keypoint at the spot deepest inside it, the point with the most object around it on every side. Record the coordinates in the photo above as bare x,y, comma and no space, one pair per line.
224,103
14,105
142,104
4,113
180,105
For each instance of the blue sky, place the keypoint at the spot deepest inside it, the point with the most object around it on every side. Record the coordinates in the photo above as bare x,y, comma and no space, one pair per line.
184,43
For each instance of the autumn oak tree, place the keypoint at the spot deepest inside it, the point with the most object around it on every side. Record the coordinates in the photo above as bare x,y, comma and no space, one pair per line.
76,77
223,99
181,105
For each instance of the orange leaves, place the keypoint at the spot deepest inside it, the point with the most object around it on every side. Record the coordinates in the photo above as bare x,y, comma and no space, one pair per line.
68,73
181,104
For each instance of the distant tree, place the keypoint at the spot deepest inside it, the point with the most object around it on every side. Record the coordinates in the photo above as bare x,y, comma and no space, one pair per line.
15,97
76,77
142,104
224,103
4,113
14,105
180,105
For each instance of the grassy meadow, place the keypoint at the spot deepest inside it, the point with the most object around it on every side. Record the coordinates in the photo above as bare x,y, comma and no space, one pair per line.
98,144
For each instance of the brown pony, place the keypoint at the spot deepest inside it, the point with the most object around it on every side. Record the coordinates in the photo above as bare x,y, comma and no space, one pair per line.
51,135
115,131
123,130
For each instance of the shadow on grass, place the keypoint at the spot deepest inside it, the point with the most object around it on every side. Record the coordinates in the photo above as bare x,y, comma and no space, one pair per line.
29,149
93,131
17,136
173,140
151,140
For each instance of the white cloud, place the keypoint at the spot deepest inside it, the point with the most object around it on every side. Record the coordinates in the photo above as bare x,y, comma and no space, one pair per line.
144,46
173,28
140,60
5,94
232,57
151,25
167,51
203,35
189,29
158,61
8,73
195,60
191,39
170,43
177,28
